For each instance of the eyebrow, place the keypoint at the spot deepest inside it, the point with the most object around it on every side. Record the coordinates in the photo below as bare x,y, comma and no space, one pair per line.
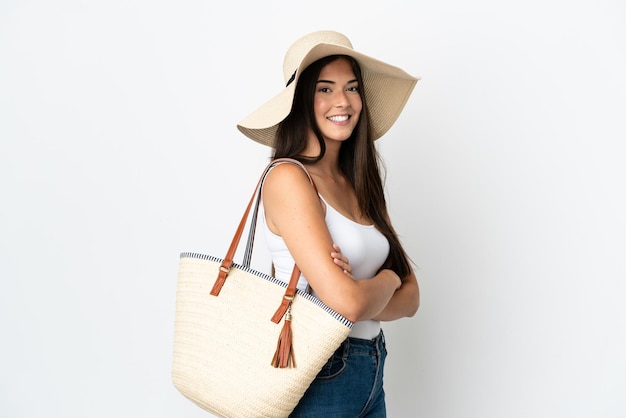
334,82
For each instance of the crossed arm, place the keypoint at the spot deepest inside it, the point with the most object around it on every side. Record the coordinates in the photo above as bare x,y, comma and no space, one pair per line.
405,300
298,217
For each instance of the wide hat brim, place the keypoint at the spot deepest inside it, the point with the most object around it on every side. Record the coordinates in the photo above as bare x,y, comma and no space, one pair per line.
387,89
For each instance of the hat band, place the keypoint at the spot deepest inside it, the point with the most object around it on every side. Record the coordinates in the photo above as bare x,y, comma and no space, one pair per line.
293,77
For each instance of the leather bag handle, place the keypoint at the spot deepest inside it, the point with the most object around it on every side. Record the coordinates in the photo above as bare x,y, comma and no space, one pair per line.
253,205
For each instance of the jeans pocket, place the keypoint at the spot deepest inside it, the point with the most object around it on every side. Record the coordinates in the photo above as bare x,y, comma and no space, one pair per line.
333,368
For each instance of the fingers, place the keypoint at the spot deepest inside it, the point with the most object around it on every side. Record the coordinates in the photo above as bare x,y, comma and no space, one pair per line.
341,260
338,255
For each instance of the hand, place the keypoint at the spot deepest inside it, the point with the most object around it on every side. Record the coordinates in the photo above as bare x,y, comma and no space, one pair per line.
398,278
341,261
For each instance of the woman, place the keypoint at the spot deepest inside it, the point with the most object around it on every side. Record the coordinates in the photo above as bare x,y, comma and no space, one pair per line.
335,104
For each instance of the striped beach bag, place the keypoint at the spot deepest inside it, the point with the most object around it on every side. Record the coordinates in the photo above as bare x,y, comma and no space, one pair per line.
245,343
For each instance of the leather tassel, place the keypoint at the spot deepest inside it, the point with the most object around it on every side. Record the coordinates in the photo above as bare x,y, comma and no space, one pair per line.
283,357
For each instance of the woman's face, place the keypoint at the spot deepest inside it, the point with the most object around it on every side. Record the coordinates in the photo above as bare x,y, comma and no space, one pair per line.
337,101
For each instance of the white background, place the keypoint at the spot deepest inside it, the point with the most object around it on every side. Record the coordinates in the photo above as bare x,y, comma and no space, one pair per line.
506,181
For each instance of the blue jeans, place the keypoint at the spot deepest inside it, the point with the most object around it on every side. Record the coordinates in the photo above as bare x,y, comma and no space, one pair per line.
350,385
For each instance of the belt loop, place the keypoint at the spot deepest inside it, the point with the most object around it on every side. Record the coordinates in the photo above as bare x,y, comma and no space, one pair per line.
346,348
378,344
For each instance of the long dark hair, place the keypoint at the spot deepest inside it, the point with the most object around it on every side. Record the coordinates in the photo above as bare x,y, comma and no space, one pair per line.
358,157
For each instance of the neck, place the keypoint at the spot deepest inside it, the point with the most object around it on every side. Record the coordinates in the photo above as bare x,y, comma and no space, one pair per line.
329,164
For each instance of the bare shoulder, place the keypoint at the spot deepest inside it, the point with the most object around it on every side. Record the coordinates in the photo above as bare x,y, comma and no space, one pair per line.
290,200
286,178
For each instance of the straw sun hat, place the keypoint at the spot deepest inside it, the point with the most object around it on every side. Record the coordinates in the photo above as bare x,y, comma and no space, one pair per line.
387,88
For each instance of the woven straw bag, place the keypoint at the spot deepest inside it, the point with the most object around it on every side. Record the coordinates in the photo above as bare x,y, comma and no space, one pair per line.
245,343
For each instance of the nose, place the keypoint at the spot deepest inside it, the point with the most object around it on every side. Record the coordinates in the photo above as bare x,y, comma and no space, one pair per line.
341,99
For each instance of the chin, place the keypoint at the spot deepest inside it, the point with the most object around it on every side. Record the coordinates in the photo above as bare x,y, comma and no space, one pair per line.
340,137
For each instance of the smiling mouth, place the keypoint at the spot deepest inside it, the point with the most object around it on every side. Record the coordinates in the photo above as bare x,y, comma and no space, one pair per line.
342,118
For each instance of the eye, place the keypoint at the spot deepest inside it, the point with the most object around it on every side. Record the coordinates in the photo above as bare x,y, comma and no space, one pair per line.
353,89
324,89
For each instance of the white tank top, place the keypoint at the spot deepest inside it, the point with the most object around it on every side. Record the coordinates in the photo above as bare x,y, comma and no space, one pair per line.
365,247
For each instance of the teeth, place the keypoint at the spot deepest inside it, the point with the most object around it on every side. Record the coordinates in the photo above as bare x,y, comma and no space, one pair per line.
338,118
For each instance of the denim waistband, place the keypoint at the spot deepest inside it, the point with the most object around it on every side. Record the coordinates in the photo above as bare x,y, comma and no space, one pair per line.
363,346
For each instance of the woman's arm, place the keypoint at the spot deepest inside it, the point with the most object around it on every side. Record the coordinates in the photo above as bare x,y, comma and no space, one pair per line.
404,302
294,212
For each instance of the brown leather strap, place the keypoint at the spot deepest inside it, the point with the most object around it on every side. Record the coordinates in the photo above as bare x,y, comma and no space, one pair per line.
290,292
230,254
